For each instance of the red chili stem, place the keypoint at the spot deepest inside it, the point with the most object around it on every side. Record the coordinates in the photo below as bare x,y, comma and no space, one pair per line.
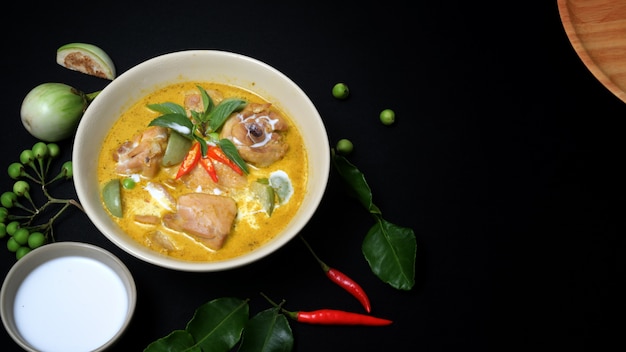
343,280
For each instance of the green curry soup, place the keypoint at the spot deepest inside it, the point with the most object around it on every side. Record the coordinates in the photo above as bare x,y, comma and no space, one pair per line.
155,196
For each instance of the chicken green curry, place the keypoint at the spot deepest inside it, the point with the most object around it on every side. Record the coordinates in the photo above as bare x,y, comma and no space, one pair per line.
203,171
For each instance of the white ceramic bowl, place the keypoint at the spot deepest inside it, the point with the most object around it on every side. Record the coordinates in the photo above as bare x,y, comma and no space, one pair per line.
67,296
197,65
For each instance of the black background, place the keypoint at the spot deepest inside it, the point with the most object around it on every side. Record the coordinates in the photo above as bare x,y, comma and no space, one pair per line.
506,159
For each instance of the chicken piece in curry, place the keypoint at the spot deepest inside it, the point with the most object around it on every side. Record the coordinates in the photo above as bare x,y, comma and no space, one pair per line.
229,200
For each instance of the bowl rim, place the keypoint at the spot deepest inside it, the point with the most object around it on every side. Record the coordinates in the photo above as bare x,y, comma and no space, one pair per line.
55,250
322,168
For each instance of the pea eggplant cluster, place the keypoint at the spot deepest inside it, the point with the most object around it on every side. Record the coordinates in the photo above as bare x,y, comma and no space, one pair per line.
27,223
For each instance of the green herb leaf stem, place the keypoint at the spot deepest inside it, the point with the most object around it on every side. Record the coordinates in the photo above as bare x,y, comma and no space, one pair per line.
389,249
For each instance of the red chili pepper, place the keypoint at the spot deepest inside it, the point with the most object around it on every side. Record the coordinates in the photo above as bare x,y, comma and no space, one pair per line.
190,161
342,280
349,285
331,316
337,317
217,153
207,164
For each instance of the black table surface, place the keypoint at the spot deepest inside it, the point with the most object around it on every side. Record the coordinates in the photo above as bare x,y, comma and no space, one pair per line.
505,159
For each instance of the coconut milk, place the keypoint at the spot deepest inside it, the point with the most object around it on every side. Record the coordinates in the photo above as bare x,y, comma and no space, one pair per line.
70,304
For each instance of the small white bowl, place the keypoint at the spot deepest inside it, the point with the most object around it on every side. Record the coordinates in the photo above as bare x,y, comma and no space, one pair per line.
67,296
197,65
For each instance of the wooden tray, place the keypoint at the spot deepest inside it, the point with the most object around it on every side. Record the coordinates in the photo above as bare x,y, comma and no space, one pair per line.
597,31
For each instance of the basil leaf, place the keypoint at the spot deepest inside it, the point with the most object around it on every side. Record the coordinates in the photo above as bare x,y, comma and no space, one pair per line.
197,116
177,340
168,108
268,331
203,145
218,324
359,188
222,111
390,251
177,122
231,152
207,104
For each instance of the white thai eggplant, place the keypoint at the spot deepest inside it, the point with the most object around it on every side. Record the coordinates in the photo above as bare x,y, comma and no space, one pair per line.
51,111
86,58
